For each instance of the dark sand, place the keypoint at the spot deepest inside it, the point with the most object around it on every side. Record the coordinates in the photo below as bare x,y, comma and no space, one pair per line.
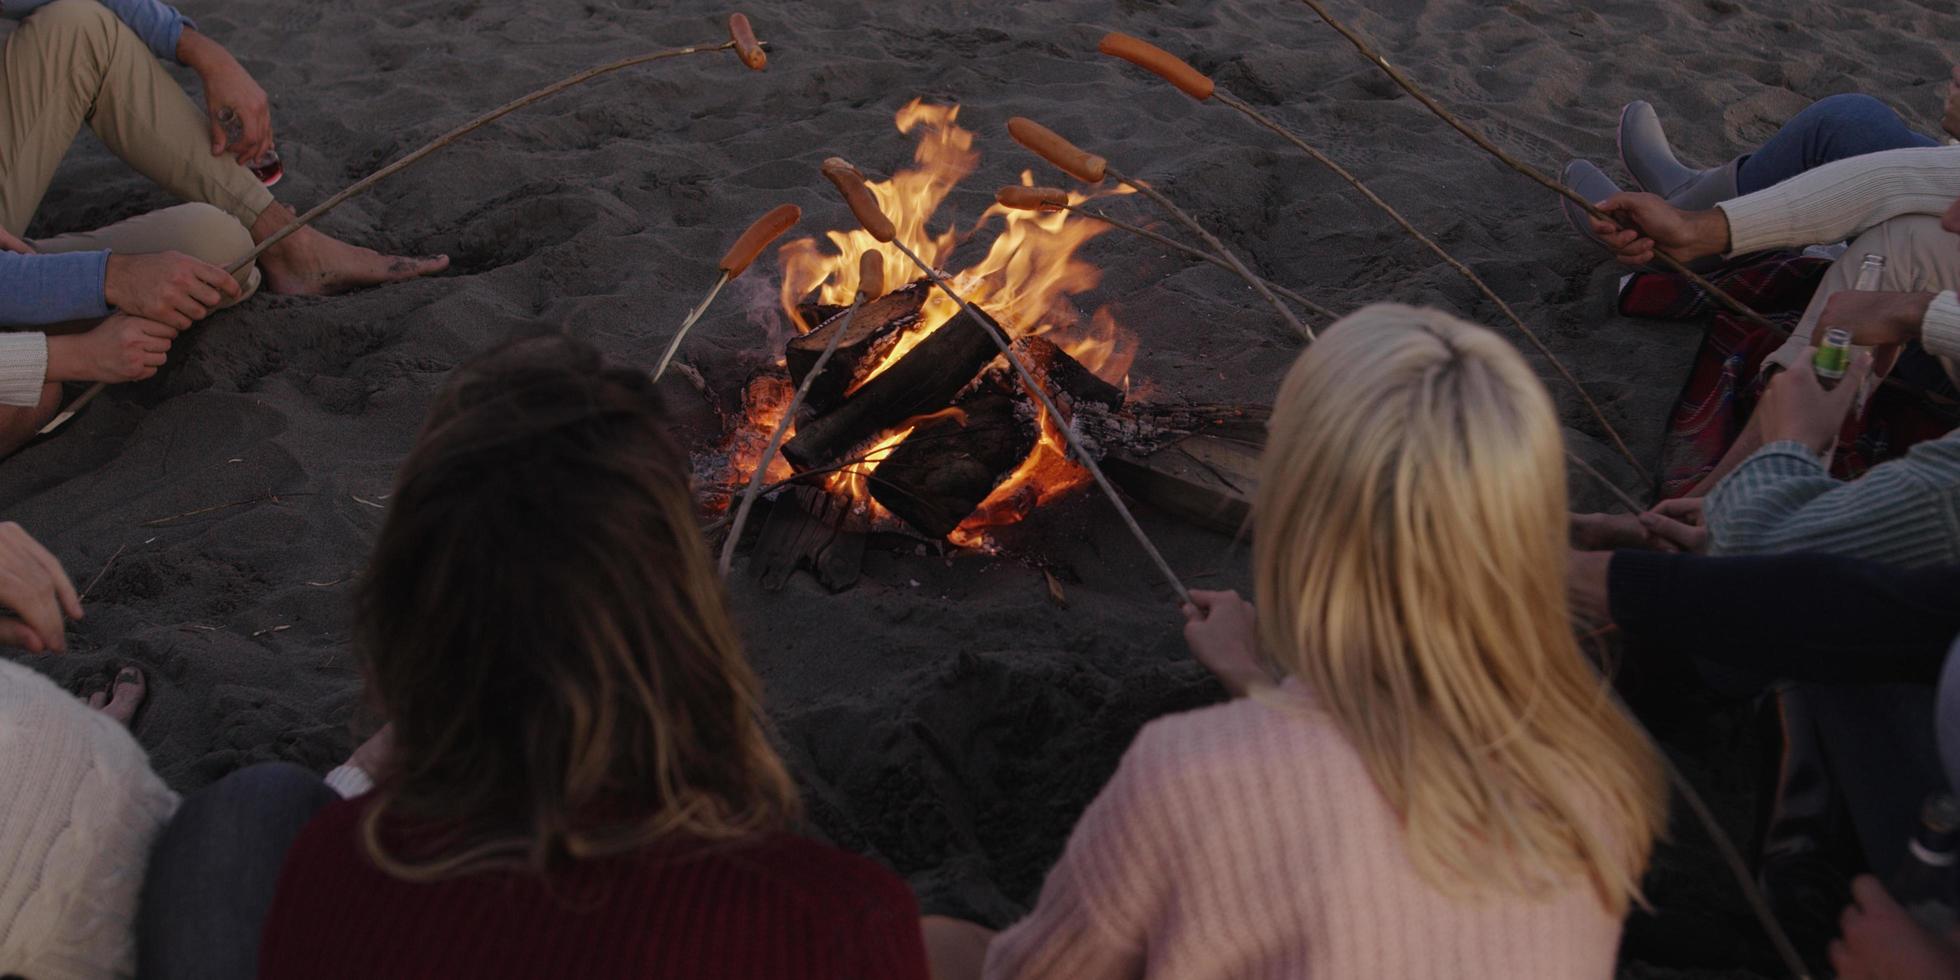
945,716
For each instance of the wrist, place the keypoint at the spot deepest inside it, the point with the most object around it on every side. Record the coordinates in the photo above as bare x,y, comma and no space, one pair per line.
199,53
1909,315
67,359
1711,232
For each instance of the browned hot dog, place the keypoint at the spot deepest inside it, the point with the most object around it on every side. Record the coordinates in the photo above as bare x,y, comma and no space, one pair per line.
765,230
1159,62
1072,159
1032,198
871,275
850,182
747,47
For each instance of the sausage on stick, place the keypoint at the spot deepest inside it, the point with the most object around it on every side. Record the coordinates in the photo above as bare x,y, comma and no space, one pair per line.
766,229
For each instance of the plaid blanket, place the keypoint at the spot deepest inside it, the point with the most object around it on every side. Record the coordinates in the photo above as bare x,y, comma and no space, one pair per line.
1727,378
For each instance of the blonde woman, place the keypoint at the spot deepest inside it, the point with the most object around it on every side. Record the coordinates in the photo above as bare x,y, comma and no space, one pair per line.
1427,779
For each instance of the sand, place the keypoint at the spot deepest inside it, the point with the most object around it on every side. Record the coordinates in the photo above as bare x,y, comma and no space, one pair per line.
946,716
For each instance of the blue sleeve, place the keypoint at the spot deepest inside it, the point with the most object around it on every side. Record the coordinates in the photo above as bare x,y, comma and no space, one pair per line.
157,23
37,289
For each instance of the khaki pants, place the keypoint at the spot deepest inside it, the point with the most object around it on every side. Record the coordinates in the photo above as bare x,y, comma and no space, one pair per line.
74,62
1920,256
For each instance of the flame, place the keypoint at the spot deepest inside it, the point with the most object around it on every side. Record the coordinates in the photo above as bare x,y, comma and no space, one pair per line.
1025,281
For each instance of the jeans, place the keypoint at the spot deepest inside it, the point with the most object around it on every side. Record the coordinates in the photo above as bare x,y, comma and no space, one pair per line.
214,869
1831,129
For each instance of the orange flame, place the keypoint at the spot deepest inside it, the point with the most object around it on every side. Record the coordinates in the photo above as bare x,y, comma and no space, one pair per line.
1026,281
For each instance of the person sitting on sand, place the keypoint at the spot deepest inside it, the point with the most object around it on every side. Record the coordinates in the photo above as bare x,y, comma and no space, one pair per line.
1901,204
79,805
580,782
1421,774
144,279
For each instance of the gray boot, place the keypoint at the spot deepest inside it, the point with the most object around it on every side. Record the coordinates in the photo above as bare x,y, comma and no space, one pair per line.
1645,152
1592,184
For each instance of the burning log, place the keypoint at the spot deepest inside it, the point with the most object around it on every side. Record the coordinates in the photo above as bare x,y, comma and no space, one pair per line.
925,380
1066,378
948,465
877,327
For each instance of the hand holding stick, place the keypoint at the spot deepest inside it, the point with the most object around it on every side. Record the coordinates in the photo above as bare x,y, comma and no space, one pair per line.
742,41
871,285
1174,70
1055,199
850,181
1090,169
766,229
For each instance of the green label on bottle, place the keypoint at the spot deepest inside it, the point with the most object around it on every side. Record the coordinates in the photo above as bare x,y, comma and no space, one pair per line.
1831,362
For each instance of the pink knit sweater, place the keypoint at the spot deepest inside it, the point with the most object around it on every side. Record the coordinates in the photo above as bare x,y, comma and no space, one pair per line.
1247,841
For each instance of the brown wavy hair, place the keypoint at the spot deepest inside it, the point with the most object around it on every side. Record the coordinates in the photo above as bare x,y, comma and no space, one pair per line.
543,626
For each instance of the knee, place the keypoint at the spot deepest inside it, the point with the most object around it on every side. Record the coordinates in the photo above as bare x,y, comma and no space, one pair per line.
209,233
71,18
1919,253
268,798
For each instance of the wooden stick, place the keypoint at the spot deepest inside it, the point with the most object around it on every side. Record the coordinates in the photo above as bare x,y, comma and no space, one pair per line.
1089,168
1258,285
693,316
97,580
866,290
361,186
1672,264
1464,270
1202,255
1626,499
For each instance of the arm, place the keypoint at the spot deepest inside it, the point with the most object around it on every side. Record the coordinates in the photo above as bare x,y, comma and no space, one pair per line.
1861,622
1781,500
38,289
158,24
1842,199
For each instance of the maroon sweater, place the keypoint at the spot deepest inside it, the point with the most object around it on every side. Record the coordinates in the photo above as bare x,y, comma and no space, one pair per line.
782,909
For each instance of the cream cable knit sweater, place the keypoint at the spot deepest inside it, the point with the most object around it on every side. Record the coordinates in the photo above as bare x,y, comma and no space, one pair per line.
79,807
1247,841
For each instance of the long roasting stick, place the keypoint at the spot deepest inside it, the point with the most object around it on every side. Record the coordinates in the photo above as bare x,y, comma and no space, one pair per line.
871,285
850,182
742,41
740,255
1409,86
1091,169
1055,199
1195,84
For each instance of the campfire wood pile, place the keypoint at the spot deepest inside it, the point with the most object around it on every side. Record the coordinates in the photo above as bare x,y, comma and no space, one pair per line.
971,426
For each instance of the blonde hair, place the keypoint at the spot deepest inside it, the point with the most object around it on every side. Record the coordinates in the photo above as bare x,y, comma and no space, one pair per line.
1410,556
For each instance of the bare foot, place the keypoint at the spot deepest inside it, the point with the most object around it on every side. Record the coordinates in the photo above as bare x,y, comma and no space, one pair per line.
124,698
312,263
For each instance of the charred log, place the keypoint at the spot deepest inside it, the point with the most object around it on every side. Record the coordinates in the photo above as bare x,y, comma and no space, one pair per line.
877,326
947,466
1067,380
806,529
925,380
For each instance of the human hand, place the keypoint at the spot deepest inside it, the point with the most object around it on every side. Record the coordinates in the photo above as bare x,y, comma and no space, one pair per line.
1645,223
239,113
1797,408
16,245
121,348
168,287
1879,941
1676,525
1951,121
1222,630
1605,532
1874,319
37,591
374,755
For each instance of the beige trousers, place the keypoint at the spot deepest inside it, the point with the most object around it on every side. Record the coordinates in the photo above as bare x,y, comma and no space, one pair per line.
74,62
1920,256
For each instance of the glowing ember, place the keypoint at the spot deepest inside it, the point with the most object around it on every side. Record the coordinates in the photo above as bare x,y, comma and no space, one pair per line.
1025,281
